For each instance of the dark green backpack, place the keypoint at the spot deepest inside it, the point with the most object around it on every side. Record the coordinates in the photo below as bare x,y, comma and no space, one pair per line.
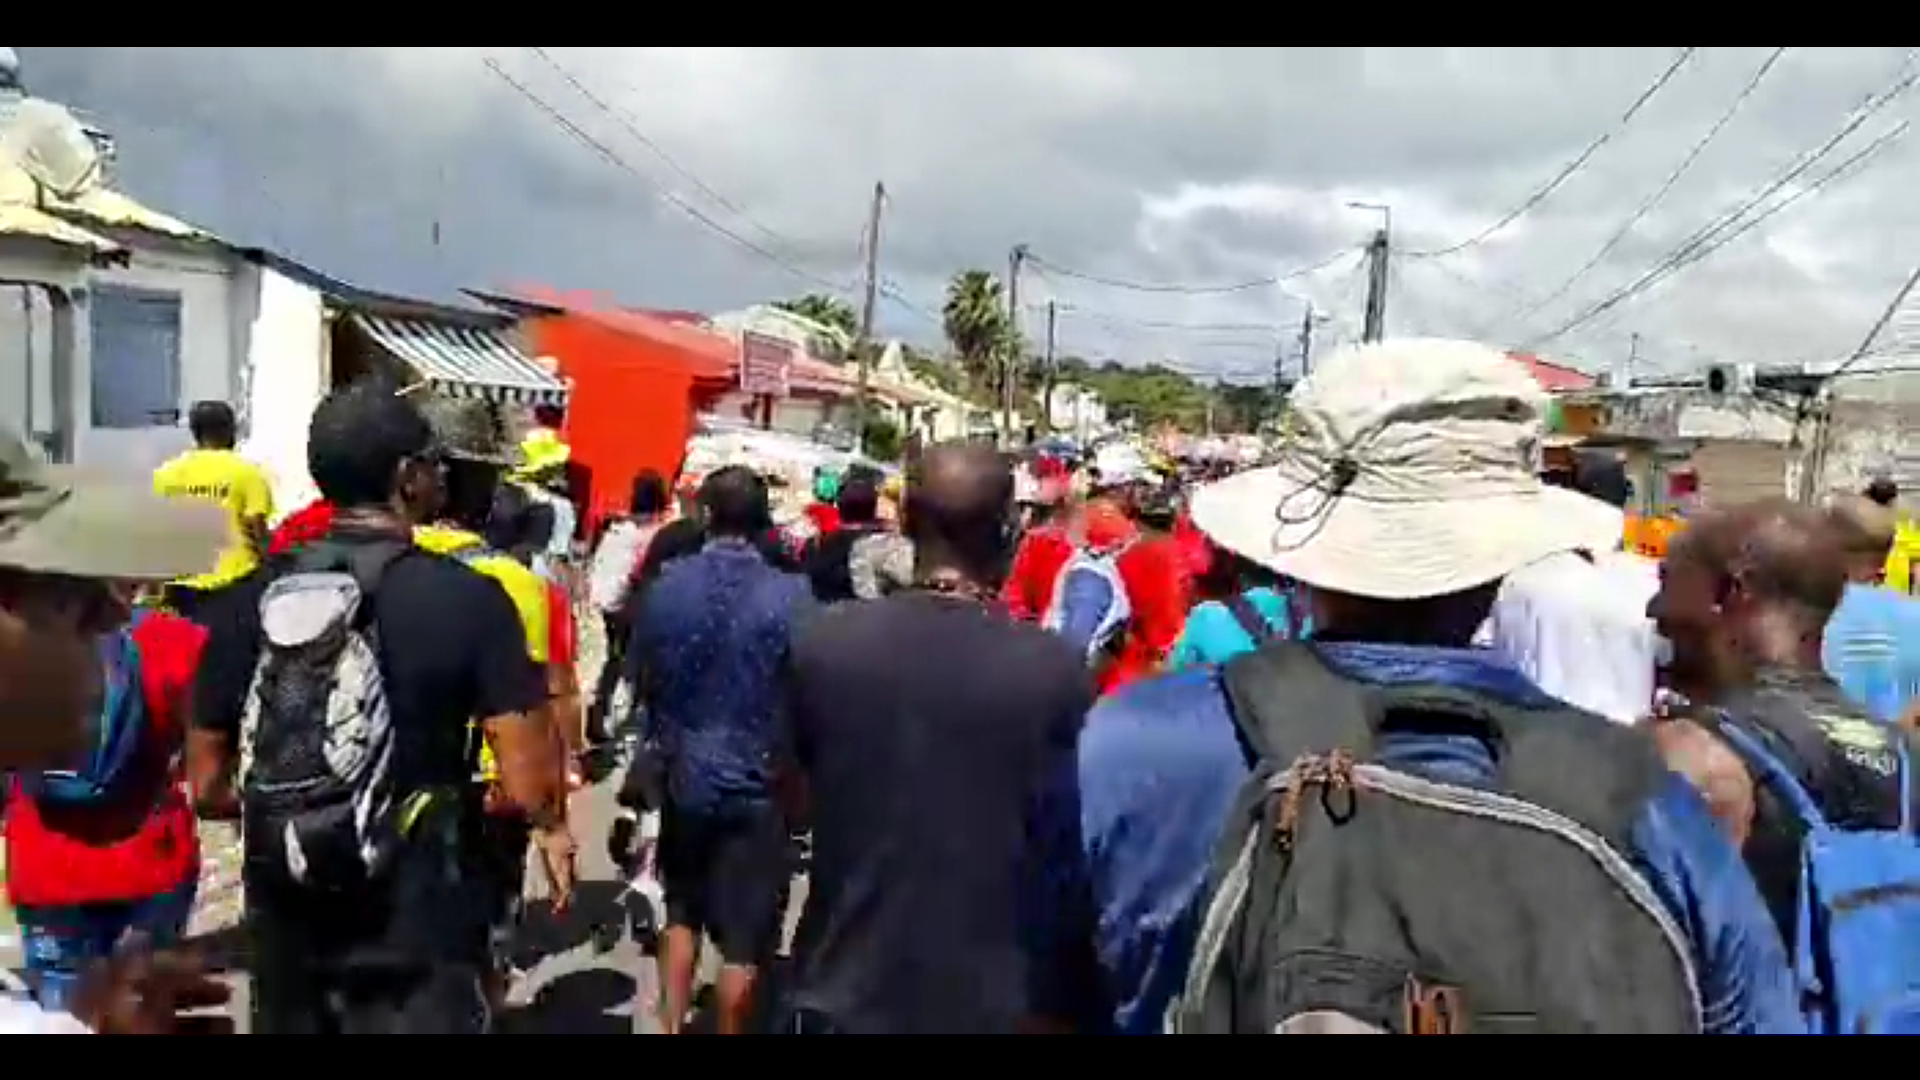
1349,897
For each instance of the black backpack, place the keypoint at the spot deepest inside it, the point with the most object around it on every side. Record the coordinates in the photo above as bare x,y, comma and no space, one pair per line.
317,736
1350,898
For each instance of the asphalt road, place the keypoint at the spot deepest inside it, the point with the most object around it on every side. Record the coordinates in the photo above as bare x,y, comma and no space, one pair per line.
581,972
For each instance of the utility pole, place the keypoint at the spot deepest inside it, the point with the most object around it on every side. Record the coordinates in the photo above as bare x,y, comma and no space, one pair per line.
1051,370
868,309
1377,253
1016,259
1815,462
1306,340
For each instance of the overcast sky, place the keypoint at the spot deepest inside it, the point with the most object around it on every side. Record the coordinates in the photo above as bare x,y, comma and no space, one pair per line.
1184,167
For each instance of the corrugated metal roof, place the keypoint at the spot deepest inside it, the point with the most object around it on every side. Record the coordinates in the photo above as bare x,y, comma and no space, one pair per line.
465,361
104,206
1554,378
23,220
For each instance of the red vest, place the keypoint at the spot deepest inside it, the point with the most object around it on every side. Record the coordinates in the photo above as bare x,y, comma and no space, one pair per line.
130,848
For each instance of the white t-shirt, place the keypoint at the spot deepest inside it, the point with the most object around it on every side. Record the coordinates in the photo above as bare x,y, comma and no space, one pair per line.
19,1016
1580,630
619,553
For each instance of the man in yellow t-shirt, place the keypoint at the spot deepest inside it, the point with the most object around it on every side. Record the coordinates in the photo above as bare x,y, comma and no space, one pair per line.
470,484
212,471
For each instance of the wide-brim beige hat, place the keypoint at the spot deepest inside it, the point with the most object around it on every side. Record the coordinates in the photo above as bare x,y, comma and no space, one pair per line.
60,520
1412,471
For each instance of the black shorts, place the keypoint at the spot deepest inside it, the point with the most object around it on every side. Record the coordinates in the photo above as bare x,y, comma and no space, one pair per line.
726,876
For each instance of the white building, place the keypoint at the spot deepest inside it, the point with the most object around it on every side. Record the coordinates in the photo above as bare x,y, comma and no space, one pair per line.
1077,411
115,318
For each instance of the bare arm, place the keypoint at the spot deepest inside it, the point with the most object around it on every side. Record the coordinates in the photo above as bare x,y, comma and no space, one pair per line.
1700,756
532,764
1910,719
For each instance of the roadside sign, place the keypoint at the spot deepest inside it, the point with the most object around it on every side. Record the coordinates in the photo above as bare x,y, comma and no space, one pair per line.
766,364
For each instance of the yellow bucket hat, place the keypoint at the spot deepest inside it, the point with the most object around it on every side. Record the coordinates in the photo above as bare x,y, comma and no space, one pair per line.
541,452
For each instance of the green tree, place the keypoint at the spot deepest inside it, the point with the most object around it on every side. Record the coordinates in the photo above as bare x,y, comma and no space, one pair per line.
974,317
884,440
825,310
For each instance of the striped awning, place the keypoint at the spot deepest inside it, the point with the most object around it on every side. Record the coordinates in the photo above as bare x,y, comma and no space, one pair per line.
465,361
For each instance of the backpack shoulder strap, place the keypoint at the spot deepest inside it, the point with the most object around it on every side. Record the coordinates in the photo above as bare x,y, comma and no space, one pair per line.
367,562
1769,770
1286,702
1249,618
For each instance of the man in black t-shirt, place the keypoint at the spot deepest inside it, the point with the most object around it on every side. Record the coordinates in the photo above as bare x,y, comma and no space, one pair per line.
1744,595
407,951
922,724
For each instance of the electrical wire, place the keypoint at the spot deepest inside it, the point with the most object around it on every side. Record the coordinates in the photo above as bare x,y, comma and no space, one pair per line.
1696,250
1683,254
1666,187
626,119
1189,290
579,134
1567,171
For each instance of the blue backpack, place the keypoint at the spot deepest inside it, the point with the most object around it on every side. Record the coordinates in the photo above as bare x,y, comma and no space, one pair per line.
1856,949
117,731
1090,607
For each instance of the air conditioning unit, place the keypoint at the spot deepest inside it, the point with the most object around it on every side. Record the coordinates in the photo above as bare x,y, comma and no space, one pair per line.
1730,379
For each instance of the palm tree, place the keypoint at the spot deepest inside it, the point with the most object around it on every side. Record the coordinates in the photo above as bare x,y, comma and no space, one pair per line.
975,319
825,310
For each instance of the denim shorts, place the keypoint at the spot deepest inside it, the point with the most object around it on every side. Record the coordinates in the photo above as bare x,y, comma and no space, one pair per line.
60,942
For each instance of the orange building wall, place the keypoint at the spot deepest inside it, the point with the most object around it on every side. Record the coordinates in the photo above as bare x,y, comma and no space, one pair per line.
631,407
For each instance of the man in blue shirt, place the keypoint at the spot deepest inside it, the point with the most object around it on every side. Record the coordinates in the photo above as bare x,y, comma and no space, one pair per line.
1872,643
711,641
1407,494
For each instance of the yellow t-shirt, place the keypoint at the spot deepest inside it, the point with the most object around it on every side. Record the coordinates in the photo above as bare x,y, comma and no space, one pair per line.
525,588
1906,550
240,486
522,586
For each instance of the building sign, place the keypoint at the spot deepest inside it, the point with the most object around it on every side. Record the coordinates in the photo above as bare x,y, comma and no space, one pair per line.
766,364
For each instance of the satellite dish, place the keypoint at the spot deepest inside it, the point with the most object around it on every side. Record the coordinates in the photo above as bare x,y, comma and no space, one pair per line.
45,141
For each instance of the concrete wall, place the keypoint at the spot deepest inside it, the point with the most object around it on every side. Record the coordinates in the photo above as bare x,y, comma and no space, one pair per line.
27,371
203,279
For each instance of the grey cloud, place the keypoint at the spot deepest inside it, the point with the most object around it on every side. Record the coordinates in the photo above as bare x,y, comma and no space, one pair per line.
345,156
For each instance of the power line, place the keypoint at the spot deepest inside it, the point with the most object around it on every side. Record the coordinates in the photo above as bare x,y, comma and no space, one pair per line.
1702,241
1666,187
627,120
1697,250
1570,169
1189,290
613,157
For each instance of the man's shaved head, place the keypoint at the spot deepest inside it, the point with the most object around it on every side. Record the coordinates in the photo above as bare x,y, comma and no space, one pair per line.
1777,551
959,498
1747,588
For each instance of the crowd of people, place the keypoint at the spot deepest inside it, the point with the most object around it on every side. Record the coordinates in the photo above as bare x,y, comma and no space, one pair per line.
1388,735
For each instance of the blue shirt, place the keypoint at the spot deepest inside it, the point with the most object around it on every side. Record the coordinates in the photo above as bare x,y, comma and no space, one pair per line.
1213,635
712,636
1126,838
1872,649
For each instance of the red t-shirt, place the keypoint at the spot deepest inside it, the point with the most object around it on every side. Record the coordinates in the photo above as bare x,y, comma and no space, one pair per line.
1194,545
563,645
1043,552
130,848
305,525
1160,590
825,517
